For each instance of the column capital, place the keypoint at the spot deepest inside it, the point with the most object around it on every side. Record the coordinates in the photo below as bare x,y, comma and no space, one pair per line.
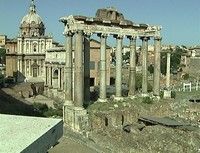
145,38
69,33
78,32
158,38
87,34
132,37
118,36
103,35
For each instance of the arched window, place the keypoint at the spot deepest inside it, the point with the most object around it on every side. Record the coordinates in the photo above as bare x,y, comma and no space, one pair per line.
122,119
42,46
55,74
106,121
27,47
35,47
33,22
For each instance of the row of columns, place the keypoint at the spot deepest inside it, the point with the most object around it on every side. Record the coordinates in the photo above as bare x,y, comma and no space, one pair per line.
49,77
79,69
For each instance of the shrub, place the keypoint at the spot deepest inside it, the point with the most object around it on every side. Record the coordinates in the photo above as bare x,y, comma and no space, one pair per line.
53,112
45,111
173,94
186,76
147,100
40,107
161,94
138,81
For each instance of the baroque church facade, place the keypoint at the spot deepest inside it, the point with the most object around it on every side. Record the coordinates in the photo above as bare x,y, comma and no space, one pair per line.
35,57
31,45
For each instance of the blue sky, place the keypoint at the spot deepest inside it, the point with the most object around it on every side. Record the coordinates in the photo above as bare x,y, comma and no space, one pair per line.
180,19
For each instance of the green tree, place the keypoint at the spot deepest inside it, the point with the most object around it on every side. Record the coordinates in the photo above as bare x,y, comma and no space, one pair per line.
2,55
151,68
163,64
126,56
175,59
138,82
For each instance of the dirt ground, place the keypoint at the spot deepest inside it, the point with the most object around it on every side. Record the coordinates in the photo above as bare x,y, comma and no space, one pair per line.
67,145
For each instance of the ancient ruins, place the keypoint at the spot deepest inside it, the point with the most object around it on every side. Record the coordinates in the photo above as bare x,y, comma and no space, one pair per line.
107,22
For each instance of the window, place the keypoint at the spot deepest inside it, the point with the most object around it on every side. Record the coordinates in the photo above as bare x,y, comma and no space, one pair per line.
27,47
106,121
92,65
122,119
42,46
34,47
55,74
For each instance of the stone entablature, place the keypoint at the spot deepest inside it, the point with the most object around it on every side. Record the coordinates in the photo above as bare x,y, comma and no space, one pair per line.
55,55
92,25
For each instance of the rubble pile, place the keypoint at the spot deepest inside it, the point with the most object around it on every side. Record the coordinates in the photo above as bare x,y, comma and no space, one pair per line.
140,137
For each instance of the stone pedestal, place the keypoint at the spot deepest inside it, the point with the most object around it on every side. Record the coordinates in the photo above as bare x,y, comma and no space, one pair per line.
145,94
118,98
167,94
102,100
76,118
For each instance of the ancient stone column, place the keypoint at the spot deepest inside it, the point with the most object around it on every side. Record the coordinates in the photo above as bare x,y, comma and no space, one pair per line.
49,77
23,63
46,76
156,76
168,71
102,88
30,69
118,80
144,64
86,68
78,69
24,67
59,78
62,77
68,69
132,70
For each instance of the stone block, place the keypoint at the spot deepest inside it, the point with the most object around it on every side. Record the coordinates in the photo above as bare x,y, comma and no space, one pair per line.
28,134
75,118
167,94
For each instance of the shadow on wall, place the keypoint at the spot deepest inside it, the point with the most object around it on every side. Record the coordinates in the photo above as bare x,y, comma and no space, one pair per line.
13,106
20,77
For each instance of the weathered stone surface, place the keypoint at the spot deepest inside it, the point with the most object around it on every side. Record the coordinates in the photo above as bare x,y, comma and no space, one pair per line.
109,14
139,137
28,134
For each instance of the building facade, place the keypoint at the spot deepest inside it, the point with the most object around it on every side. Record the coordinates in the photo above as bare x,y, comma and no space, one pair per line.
11,57
55,62
31,45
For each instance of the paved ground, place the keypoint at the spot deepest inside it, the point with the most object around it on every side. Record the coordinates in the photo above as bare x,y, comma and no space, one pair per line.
67,145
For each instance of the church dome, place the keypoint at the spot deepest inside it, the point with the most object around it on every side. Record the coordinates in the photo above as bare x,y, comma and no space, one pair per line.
31,24
32,18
